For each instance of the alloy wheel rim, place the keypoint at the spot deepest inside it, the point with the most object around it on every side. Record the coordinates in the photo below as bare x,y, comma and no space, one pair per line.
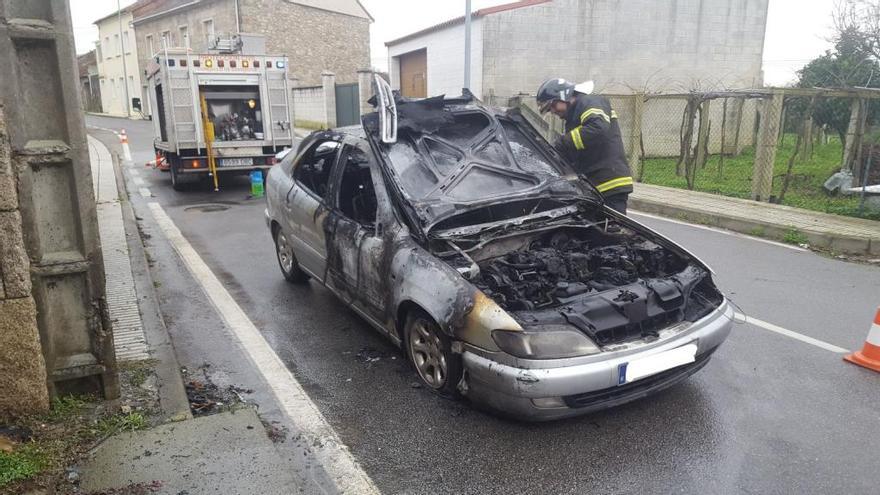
285,254
427,354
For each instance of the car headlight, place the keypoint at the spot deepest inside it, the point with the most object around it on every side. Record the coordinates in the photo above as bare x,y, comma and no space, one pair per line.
553,342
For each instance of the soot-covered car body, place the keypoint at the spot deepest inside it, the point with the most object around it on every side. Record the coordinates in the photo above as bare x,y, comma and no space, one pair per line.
471,244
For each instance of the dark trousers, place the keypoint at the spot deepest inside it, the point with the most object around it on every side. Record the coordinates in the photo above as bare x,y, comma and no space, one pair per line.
617,202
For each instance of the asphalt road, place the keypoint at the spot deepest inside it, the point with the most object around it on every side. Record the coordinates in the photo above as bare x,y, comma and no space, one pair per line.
769,414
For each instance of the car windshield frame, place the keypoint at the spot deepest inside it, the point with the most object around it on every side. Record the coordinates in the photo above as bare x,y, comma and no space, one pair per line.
433,194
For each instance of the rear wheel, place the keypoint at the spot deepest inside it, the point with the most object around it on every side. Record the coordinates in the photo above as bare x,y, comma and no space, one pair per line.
287,260
176,182
430,351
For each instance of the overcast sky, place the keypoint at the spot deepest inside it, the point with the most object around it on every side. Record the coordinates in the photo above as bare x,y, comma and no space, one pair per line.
791,41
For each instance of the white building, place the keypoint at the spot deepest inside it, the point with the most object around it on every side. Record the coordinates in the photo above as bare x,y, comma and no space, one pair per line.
116,55
624,46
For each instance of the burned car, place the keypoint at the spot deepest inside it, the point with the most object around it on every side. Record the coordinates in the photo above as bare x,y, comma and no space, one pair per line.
456,230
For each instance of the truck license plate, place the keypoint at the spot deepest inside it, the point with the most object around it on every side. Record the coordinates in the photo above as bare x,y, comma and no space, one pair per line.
236,162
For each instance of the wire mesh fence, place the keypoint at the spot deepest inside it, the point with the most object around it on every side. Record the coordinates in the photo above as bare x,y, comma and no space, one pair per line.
807,148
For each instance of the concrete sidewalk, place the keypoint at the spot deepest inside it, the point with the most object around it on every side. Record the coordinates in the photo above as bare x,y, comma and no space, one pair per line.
122,301
837,233
224,453
229,452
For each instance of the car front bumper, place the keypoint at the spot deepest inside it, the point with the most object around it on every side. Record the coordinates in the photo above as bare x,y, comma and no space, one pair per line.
578,389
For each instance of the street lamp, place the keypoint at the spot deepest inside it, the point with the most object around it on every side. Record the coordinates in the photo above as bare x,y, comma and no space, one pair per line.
467,45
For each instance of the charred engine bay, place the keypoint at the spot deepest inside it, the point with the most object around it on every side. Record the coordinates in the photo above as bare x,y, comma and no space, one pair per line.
612,283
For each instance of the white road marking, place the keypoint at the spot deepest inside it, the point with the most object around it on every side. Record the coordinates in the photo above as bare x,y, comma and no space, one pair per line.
720,231
137,181
788,333
145,192
126,152
134,172
328,449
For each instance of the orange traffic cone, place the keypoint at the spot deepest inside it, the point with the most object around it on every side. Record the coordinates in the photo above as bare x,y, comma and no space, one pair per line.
869,356
123,137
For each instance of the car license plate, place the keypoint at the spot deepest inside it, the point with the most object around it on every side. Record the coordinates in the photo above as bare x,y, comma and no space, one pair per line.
236,162
651,365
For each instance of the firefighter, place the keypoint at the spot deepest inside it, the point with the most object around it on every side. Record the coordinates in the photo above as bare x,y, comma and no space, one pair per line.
592,137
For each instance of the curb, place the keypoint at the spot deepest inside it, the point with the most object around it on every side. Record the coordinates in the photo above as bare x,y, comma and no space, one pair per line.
837,243
111,116
172,394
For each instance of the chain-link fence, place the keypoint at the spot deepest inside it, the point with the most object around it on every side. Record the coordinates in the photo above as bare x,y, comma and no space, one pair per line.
807,148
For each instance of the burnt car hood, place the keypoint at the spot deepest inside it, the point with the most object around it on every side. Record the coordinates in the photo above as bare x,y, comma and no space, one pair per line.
455,155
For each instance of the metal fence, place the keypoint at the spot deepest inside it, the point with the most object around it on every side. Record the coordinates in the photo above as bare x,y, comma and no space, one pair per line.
777,145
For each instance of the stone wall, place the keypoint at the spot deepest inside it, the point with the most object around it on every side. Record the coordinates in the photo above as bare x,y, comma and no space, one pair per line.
50,253
314,40
221,12
22,369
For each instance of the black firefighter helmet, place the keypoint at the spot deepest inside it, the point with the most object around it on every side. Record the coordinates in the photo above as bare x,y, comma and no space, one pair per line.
559,89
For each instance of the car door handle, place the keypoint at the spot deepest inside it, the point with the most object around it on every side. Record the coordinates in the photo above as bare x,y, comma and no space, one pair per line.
289,199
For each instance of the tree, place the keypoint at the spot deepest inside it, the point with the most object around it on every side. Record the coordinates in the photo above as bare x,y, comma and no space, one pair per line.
854,62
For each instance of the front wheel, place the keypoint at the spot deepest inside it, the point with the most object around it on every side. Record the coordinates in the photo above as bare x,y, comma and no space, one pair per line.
430,351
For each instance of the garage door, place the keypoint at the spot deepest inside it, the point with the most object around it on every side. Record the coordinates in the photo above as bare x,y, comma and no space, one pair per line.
414,74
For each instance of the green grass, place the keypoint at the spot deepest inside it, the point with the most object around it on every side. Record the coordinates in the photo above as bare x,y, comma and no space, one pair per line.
121,422
804,191
22,464
60,436
66,407
795,236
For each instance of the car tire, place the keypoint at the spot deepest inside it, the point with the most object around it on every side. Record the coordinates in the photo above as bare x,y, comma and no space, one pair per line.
287,260
430,352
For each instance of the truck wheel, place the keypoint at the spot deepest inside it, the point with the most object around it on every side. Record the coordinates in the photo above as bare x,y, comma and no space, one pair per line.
176,182
430,352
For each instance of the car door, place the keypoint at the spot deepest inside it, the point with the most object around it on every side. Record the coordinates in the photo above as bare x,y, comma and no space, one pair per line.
356,244
306,206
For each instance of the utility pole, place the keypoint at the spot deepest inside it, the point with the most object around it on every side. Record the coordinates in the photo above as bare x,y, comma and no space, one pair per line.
124,68
467,45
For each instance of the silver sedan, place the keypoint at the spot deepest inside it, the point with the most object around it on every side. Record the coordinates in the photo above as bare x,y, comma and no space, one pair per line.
467,241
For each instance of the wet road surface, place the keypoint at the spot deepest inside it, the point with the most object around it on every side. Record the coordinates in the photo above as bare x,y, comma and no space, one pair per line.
769,414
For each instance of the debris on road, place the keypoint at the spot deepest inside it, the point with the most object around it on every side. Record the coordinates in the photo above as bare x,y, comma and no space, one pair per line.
205,397
133,489
370,355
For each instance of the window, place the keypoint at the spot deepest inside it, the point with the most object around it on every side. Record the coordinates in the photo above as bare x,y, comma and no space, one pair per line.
150,48
183,35
357,196
126,45
108,51
208,26
98,56
131,84
116,44
313,171
166,38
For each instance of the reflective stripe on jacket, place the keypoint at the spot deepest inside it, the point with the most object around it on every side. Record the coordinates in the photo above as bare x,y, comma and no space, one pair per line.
592,142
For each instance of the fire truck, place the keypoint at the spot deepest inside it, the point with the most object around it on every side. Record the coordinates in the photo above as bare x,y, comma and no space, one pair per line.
218,113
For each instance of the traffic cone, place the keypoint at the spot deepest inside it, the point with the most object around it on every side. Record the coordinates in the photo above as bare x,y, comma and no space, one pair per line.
123,137
869,356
